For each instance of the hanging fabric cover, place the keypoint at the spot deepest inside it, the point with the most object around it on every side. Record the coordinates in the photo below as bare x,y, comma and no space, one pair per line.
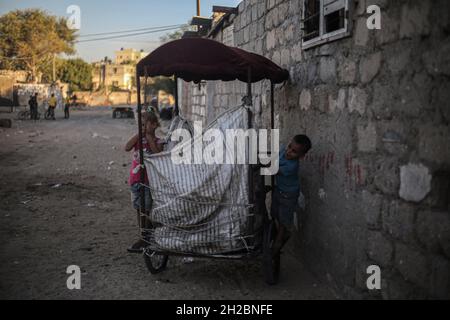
201,208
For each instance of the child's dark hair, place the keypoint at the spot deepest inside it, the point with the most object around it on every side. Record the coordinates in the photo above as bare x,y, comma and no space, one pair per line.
166,114
151,117
304,141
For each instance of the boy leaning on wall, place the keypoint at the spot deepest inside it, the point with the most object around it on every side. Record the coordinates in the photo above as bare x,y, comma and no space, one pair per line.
287,188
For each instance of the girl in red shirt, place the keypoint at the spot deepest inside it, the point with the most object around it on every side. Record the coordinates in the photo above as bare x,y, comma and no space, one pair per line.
151,144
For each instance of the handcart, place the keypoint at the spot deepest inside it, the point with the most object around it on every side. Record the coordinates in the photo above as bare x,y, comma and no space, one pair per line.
199,59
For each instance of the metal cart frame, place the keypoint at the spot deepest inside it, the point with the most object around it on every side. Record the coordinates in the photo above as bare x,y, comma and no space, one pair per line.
156,261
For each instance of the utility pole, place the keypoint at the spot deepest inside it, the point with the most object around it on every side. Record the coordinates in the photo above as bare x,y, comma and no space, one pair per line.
198,8
54,67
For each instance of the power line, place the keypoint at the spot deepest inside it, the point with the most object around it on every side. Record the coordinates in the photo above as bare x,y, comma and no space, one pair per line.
132,30
136,41
126,35
150,30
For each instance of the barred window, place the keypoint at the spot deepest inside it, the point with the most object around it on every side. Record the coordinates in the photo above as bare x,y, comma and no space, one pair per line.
311,19
325,21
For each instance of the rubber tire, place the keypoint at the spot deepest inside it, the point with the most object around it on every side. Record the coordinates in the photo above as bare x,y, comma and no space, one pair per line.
271,264
47,115
22,115
150,264
114,115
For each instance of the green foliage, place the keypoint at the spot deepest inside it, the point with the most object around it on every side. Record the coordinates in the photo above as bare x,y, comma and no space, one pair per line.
29,40
162,83
77,73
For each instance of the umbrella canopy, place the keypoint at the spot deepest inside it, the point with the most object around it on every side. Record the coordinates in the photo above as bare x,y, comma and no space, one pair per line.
196,59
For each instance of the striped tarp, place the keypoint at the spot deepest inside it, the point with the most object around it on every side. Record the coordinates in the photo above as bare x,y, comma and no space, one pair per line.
200,208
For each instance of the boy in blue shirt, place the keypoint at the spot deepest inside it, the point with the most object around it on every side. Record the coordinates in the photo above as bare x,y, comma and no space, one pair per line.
287,189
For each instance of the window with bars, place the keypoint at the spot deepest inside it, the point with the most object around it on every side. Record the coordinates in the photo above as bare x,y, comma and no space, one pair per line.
325,21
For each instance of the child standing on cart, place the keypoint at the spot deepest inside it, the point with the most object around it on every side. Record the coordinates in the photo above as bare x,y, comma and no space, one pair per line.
150,144
287,190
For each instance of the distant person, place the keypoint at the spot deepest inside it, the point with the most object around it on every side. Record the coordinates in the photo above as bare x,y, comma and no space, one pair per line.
52,103
33,103
66,108
151,144
74,100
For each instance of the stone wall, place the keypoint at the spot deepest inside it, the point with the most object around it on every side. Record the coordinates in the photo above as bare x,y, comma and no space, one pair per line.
376,106
193,101
6,91
7,80
101,98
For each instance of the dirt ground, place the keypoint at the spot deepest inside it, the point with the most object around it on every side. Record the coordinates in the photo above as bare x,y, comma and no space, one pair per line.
65,201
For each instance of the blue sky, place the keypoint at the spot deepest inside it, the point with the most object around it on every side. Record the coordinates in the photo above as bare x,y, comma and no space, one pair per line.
98,16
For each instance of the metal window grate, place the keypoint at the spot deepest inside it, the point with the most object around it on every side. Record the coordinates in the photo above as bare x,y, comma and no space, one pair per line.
324,21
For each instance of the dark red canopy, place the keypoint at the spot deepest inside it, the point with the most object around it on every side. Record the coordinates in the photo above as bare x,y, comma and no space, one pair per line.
196,59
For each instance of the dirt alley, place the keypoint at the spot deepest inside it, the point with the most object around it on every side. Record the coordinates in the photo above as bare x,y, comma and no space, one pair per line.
65,201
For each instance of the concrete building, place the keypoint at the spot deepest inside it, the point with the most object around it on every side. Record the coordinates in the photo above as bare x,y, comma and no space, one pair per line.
129,56
121,73
376,104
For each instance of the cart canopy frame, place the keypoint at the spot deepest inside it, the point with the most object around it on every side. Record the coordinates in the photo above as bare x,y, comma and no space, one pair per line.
200,59
197,59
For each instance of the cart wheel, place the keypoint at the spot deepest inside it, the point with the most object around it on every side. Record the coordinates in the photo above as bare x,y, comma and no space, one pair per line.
47,115
22,115
155,263
271,263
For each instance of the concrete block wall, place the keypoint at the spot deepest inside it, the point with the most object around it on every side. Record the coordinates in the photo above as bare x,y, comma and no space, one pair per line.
377,108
